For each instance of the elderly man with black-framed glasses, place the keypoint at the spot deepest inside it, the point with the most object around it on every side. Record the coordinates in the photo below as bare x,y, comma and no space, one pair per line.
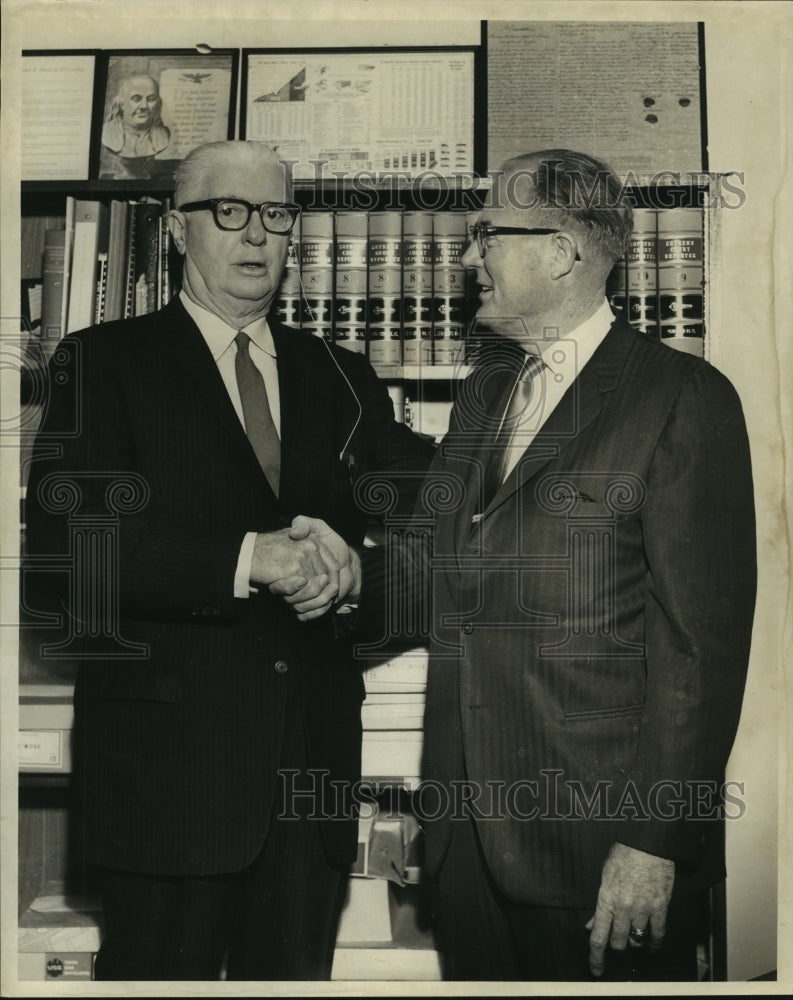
217,738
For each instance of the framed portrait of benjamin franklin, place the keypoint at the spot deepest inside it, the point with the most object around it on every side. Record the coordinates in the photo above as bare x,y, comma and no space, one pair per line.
154,106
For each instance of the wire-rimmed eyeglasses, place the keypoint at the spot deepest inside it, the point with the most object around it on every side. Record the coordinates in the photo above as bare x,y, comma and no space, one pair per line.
235,214
480,233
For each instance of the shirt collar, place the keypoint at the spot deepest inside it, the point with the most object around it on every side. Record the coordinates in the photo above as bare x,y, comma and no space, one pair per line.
587,337
219,335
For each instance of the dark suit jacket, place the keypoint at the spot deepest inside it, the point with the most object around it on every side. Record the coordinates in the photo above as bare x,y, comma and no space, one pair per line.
177,751
590,633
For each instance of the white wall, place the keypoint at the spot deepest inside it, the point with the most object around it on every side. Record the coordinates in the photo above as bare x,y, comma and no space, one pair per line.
748,126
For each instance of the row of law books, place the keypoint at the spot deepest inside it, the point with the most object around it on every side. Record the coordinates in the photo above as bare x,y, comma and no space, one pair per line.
659,284
389,284
104,263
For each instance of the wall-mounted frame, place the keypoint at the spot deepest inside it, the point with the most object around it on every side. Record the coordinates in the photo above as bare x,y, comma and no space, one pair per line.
55,120
337,113
155,105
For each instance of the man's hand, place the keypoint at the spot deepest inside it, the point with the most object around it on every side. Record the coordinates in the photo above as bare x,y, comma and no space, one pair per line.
288,565
635,889
308,602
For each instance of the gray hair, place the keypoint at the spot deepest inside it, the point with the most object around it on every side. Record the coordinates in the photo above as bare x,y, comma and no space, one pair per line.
584,189
190,171
116,110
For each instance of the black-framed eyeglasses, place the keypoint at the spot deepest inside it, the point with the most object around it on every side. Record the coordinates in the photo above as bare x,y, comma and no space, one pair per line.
235,214
481,232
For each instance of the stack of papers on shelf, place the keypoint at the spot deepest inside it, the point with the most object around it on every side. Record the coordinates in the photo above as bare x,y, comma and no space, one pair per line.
59,936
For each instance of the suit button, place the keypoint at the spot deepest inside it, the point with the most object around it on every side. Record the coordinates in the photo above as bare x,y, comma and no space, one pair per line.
281,666
467,628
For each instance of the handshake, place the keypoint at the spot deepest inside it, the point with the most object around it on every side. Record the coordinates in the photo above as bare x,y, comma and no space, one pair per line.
307,564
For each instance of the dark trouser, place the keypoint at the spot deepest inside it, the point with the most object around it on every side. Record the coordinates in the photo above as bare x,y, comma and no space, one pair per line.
275,920
484,936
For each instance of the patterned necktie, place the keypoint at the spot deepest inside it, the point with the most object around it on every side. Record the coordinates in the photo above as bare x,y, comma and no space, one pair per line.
259,424
511,437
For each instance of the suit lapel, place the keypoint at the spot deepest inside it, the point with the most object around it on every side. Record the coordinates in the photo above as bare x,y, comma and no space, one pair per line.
309,408
194,362
579,406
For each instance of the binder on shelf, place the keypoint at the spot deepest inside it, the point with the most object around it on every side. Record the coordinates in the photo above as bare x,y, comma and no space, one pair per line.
617,285
392,755
68,228
46,718
403,672
417,264
116,261
34,229
101,289
351,259
146,236
165,288
393,711
642,272
89,239
52,288
681,279
448,287
288,304
316,268
385,288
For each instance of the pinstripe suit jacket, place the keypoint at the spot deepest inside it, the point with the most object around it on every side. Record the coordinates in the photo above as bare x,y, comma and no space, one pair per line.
590,633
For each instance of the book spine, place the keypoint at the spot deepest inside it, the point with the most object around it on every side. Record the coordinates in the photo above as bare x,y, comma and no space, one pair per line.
617,286
52,288
417,261
316,265
116,261
385,289
448,288
642,272
681,279
90,240
129,277
34,228
147,257
101,289
349,328
288,303
67,262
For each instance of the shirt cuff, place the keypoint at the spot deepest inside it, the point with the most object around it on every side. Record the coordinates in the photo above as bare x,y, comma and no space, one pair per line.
242,577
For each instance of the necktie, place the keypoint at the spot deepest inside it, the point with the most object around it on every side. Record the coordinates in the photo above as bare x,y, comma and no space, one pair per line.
511,437
256,411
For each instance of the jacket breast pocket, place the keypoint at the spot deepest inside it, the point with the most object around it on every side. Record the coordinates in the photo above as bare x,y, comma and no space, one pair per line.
594,715
606,496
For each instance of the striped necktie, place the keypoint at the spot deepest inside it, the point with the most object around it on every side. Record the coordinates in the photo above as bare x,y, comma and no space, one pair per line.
510,440
259,424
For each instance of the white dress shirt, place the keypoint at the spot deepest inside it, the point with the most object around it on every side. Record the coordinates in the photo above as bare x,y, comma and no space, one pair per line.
564,359
219,337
